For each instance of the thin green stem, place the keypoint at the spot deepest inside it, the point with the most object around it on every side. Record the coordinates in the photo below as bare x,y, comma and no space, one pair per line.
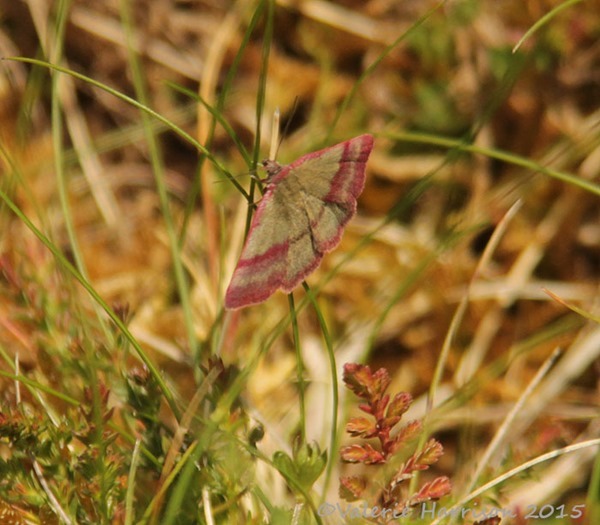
186,136
333,435
367,72
509,158
299,367
159,176
544,20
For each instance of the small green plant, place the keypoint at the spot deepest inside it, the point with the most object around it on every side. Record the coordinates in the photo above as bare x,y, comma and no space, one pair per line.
389,492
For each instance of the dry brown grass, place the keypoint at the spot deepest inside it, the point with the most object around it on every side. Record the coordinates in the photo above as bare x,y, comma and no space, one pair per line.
445,268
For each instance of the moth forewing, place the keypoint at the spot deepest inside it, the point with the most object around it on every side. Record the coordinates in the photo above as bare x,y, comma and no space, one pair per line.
300,218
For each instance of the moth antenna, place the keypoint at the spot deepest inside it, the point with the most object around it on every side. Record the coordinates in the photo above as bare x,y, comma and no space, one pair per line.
275,139
275,134
290,118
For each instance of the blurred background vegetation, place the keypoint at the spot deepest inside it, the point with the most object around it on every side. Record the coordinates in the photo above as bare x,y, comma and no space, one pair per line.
475,253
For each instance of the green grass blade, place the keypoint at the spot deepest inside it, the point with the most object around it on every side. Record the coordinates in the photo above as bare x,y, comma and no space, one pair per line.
159,177
509,158
131,101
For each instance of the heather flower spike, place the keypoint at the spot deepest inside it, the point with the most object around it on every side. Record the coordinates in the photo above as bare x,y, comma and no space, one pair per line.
388,492
300,217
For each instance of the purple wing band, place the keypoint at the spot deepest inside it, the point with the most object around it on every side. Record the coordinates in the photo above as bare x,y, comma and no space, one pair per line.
261,275
350,178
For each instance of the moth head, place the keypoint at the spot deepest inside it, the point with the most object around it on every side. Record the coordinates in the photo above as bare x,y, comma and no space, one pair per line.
272,167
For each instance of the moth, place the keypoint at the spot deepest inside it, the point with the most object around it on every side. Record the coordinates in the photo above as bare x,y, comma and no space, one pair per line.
300,217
